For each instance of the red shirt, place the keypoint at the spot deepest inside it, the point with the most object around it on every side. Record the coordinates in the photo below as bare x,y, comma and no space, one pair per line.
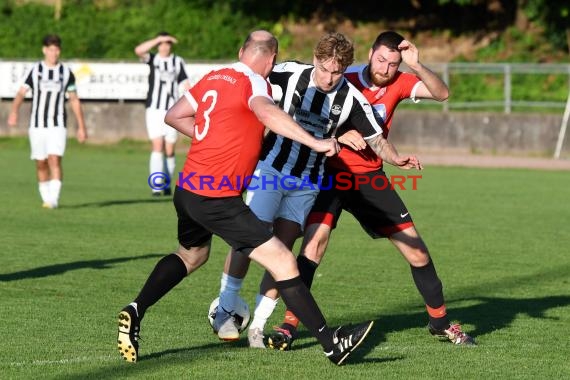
384,101
227,134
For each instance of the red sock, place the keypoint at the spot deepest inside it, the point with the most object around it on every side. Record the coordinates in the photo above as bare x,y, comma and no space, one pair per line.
291,319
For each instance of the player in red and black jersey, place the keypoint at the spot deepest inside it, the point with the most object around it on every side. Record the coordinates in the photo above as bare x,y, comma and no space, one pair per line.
380,212
226,113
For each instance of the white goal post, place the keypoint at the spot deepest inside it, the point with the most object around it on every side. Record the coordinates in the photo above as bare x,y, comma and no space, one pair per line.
563,126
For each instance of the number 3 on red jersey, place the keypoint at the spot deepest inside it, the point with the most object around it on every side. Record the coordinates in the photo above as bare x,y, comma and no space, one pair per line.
209,94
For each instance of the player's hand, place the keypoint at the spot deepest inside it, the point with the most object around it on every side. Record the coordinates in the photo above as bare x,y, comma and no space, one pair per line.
410,54
170,39
12,119
329,147
353,139
81,135
408,162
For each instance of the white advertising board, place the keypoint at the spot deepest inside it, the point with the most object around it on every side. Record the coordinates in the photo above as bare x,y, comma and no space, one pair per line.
98,81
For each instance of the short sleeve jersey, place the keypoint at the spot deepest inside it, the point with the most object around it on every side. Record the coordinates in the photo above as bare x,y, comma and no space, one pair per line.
319,113
227,134
49,85
384,101
166,73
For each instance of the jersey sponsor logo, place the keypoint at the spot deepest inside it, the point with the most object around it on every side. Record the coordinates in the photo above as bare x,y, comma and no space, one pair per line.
227,78
336,109
167,76
312,122
50,85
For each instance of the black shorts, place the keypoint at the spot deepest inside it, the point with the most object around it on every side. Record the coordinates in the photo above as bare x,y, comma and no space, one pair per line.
199,217
368,196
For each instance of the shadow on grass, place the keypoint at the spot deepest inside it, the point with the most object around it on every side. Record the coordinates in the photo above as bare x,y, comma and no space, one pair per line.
489,314
57,269
118,203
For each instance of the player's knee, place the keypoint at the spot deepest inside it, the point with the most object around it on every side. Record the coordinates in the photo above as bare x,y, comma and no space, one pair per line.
417,257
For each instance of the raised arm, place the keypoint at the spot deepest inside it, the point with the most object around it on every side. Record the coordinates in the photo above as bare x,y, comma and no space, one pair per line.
433,87
144,47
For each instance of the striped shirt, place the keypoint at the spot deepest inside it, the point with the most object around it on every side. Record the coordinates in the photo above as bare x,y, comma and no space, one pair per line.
49,85
166,73
319,113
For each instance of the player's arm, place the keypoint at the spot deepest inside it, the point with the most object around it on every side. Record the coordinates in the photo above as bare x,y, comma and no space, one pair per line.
16,103
388,153
143,48
282,124
181,116
75,104
432,86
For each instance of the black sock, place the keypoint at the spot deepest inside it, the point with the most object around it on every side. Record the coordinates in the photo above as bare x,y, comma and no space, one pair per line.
431,289
307,269
300,301
167,273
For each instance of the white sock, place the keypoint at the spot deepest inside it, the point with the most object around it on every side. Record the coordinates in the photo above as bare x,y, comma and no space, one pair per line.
54,189
170,166
44,191
264,307
156,165
229,291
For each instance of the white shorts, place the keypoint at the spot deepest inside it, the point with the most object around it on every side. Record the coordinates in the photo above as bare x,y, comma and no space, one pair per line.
156,127
45,142
272,195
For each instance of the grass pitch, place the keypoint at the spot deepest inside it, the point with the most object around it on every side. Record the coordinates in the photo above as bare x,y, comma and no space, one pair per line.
499,239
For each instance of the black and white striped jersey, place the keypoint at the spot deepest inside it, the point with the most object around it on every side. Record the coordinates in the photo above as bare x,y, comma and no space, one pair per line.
49,85
165,75
321,114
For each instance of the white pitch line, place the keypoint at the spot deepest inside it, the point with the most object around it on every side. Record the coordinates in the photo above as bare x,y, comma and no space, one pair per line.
64,361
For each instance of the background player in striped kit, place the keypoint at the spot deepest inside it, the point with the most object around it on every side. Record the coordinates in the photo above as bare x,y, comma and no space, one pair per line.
381,213
49,80
167,72
321,101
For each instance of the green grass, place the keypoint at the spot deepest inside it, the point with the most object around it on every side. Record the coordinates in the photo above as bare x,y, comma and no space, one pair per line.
499,239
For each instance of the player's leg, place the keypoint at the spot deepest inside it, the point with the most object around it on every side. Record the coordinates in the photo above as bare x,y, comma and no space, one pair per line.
319,224
38,148
234,222
154,127
281,264
287,231
386,215
263,198
413,249
56,142
170,138
191,254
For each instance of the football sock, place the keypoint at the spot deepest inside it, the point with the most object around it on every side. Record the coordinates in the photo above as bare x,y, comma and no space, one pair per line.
54,190
301,302
307,269
156,164
167,273
264,307
229,291
170,166
431,289
44,191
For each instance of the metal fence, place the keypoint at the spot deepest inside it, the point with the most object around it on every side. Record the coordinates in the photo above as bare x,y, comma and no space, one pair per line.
453,73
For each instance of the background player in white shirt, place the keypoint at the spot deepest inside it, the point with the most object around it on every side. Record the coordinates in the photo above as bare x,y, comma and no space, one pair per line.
167,72
50,81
